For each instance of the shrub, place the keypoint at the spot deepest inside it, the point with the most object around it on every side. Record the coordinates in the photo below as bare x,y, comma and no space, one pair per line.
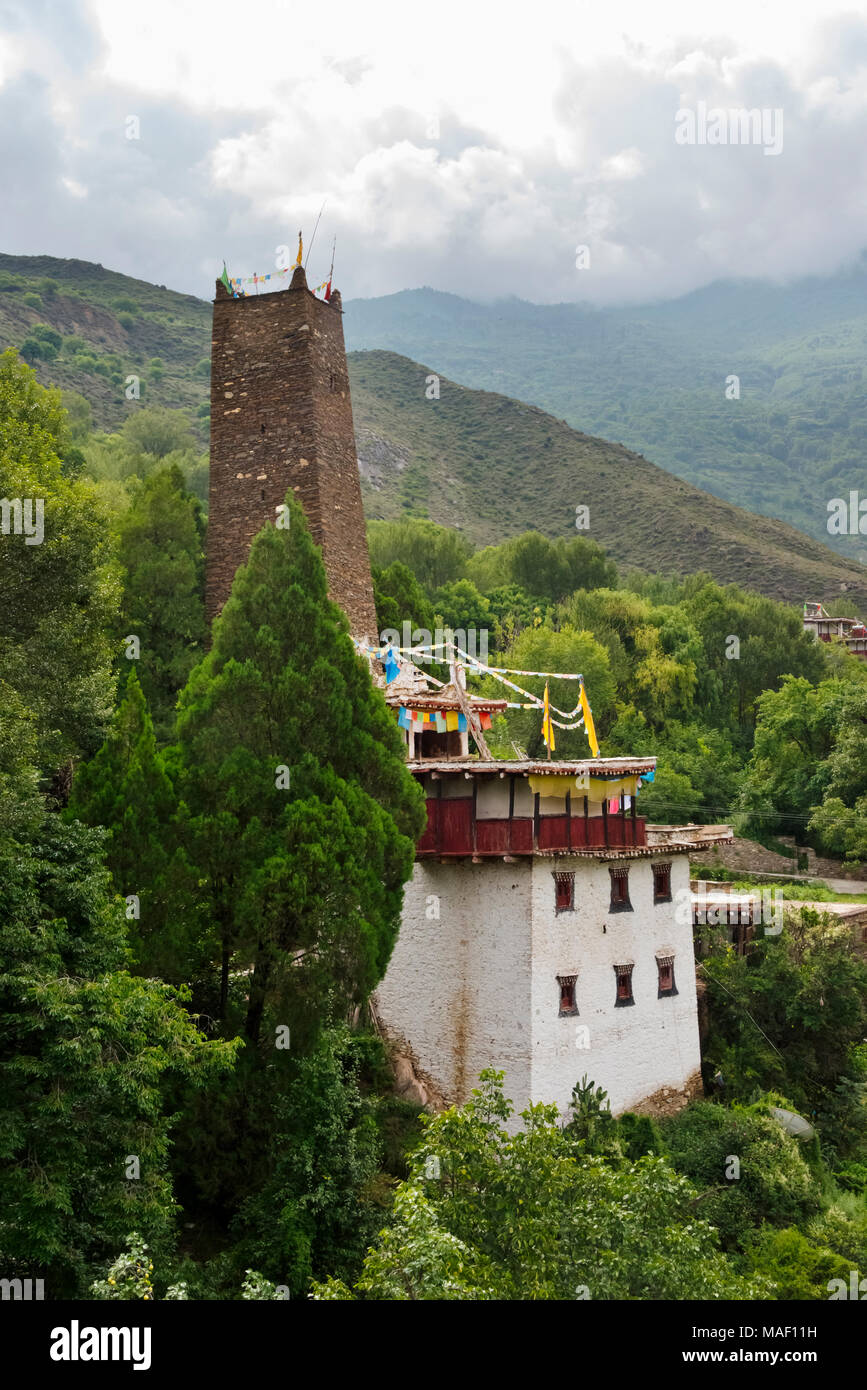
798,1268
126,321
774,1183
34,301
46,334
639,1135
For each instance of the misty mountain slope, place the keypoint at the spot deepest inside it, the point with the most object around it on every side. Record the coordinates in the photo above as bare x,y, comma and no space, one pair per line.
654,378
493,467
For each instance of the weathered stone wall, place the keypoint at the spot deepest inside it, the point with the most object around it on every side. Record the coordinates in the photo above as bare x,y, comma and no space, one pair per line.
281,418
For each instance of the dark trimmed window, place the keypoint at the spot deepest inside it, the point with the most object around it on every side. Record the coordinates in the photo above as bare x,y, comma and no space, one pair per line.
624,985
564,892
662,883
567,995
620,889
665,967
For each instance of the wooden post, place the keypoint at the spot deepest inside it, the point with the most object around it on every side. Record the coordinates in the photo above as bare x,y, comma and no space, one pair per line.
474,726
605,820
439,816
511,808
568,820
536,801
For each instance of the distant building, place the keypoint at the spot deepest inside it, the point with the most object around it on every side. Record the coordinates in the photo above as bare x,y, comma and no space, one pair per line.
850,631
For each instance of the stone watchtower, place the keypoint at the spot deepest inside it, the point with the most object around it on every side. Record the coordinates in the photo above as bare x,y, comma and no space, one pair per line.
281,418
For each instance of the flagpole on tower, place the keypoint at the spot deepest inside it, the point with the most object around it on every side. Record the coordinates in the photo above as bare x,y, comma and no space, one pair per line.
313,238
331,271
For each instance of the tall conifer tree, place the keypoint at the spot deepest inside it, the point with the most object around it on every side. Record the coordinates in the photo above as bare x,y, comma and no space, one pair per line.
301,815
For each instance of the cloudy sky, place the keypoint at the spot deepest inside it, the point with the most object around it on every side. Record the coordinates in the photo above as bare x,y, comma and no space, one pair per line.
468,146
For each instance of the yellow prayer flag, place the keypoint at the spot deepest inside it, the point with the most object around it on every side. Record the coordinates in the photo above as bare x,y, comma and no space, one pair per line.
588,723
451,720
547,726
300,250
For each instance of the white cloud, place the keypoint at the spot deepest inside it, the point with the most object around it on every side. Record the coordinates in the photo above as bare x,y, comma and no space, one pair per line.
556,128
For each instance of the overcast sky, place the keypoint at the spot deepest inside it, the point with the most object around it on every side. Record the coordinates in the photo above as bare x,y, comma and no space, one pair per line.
468,146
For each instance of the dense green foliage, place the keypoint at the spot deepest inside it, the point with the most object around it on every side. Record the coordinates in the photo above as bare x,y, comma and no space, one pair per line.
188,946
488,1215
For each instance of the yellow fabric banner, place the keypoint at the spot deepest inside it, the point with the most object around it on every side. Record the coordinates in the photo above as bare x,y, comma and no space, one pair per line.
451,720
547,726
597,789
588,722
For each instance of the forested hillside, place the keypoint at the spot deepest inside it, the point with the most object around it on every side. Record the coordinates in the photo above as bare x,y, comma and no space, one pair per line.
653,377
484,463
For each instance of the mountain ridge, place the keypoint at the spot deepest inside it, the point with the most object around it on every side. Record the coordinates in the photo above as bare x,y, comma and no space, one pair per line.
479,459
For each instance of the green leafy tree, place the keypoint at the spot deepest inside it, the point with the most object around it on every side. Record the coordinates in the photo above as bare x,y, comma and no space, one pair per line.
531,1215
126,789
746,1167
157,430
58,598
541,649
161,548
790,1017
400,599
788,773
435,554
314,1213
85,1048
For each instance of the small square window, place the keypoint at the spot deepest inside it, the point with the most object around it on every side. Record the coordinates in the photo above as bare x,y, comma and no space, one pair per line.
567,995
665,967
620,890
564,892
624,985
662,883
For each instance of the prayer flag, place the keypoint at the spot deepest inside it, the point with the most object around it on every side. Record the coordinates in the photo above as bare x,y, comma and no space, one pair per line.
225,278
462,723
441,723
589,726
451,720
403,719
547,726
485,719
613,806
300,250
392,670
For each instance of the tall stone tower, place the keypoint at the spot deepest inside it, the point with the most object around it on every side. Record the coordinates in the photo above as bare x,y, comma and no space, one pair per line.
281,418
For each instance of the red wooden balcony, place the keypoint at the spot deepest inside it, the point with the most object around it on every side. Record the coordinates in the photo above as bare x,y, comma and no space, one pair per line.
453,830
